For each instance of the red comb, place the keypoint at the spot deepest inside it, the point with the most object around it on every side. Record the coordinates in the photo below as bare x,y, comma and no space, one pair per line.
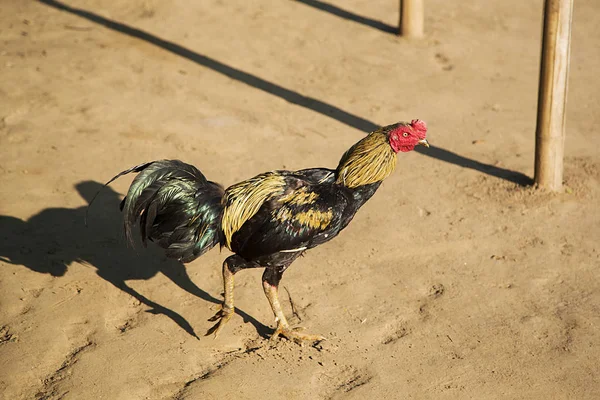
419,125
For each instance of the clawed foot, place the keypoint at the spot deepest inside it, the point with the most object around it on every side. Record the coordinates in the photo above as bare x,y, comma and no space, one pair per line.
295,335
222,316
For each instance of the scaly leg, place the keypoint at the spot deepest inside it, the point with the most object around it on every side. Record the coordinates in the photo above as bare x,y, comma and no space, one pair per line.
271,279
230,267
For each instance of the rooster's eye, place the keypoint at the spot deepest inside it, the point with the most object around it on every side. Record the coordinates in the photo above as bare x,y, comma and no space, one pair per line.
405,134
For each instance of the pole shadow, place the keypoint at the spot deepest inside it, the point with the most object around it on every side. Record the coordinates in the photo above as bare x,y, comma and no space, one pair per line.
292,97
445,155
350,16
51,240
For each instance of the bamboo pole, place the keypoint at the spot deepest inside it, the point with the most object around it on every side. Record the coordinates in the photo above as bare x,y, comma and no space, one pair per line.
411,18
552,95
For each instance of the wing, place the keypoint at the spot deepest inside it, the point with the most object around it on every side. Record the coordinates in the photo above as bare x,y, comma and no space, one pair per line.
243,200
296,220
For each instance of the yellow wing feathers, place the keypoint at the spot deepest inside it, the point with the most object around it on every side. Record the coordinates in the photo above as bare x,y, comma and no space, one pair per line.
243,200
314,218
311,218
300,197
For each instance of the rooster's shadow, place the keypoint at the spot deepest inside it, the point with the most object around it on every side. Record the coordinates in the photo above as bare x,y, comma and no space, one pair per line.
51,240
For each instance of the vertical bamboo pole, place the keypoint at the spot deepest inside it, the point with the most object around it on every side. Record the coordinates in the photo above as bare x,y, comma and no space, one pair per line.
552,95
411,18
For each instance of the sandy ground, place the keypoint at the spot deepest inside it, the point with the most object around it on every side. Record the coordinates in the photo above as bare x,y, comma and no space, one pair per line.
456,281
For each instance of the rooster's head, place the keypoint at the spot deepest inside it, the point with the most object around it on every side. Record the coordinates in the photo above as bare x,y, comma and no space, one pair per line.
405,137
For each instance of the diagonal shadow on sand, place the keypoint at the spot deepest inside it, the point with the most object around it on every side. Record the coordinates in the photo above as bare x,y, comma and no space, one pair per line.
51,240
291,96
350,16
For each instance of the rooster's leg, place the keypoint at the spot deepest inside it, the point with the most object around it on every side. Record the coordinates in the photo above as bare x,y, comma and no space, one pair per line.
230,267
271,279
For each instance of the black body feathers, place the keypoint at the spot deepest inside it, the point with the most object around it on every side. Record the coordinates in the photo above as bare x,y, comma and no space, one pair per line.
268,220
313,211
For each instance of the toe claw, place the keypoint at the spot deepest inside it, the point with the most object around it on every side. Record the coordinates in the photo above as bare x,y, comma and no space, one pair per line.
222,316
295,335
276,334
217,316
214,329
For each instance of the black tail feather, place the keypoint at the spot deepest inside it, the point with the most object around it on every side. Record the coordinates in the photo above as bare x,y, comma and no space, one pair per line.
176,206
137,168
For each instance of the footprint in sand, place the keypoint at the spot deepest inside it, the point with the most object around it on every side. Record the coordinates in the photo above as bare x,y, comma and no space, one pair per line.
444,61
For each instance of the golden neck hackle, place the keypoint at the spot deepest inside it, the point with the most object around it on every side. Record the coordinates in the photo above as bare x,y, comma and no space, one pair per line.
369,161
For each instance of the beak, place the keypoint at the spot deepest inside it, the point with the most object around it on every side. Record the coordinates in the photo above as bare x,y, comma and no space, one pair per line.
423,142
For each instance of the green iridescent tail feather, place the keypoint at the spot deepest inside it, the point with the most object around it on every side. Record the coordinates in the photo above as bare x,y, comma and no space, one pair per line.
175,207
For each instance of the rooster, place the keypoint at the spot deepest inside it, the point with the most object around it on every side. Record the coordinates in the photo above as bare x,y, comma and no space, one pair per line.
267,221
